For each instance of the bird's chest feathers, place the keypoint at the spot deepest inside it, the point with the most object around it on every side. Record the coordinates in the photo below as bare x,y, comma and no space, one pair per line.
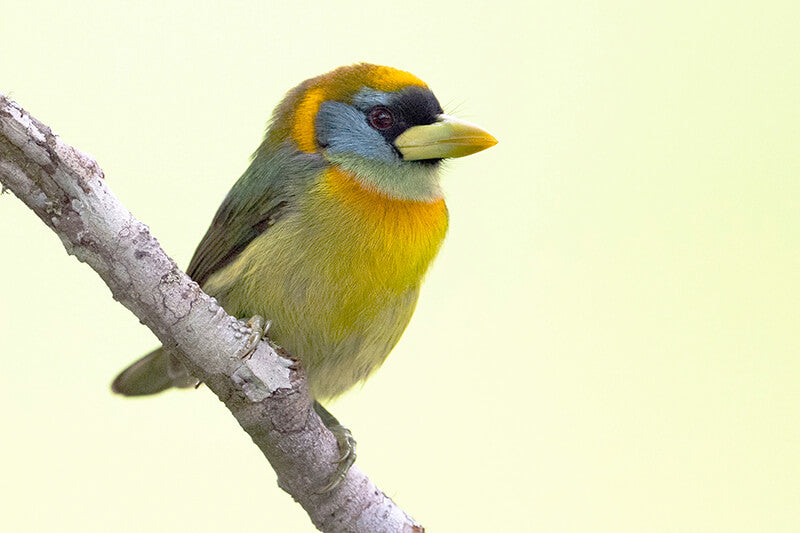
363,234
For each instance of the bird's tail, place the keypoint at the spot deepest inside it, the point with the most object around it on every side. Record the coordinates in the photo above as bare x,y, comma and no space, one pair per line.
155,372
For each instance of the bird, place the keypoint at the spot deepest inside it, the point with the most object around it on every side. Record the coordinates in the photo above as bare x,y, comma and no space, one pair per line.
329,232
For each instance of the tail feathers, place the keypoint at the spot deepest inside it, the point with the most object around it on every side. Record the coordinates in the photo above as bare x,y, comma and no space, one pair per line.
153,373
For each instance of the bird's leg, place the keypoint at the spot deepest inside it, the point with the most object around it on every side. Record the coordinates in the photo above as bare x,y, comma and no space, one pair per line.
347,447
258,330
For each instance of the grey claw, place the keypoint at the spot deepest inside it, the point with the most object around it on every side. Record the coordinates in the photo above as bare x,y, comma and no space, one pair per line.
347,446
344,441
333,483
258,328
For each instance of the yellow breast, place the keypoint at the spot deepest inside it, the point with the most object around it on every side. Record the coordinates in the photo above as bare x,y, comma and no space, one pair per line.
393,239
339,277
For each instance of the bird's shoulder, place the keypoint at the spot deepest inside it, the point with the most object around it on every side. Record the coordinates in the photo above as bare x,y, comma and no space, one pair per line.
266,192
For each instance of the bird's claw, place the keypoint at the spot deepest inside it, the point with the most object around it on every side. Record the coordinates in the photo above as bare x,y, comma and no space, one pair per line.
258,330
346,444
347,449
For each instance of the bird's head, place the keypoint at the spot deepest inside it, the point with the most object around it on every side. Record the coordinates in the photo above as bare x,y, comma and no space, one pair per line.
381,124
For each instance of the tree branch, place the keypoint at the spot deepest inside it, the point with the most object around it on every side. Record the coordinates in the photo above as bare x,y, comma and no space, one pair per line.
266,393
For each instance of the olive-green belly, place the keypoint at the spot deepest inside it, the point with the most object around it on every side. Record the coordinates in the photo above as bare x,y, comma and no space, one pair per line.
332,305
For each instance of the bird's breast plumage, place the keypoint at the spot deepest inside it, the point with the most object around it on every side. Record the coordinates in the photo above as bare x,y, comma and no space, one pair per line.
338,276
393,240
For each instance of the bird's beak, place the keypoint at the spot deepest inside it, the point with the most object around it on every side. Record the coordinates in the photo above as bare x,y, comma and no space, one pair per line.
447,137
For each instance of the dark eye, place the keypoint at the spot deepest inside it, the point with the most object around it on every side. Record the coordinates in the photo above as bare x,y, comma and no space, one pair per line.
380,118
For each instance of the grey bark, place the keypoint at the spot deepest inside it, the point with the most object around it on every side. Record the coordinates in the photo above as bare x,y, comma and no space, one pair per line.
267,393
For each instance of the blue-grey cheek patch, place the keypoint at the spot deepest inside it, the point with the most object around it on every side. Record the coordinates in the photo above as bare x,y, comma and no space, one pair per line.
367,97
344,129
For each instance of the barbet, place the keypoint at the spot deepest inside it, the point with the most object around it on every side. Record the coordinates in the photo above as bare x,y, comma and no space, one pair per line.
330,230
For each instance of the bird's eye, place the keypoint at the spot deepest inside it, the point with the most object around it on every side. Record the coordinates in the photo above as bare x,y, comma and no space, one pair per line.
380,118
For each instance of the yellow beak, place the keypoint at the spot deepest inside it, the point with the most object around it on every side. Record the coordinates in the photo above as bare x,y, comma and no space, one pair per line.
447,137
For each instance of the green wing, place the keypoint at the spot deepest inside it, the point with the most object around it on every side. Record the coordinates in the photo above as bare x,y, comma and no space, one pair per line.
265,192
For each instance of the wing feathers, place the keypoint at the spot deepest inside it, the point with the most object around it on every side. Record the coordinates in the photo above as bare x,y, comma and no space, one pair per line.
264,194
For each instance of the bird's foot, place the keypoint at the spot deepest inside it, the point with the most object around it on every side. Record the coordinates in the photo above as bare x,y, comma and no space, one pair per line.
346,444
347,449
258,330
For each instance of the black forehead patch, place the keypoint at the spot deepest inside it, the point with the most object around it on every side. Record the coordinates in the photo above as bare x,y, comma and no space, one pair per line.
416,106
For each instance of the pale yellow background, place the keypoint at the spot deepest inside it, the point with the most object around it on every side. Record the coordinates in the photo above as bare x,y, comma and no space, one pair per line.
607,343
